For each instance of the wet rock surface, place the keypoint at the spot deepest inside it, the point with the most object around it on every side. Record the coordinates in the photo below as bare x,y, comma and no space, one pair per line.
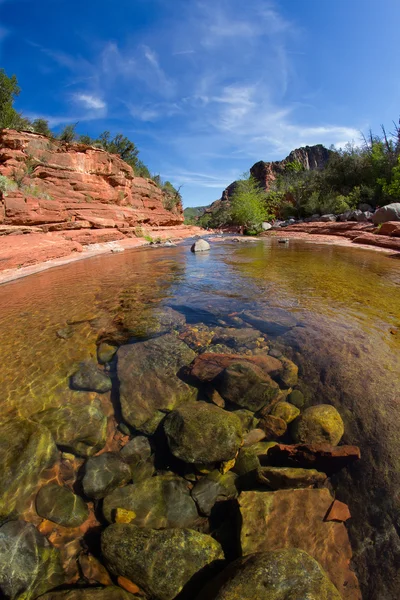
91,593
90,378
61,505
161,562
321,424
103,474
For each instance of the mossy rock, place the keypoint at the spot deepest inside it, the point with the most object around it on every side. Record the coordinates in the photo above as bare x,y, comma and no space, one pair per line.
203,433
80,429
321,424
296,397
91,379
247,419
282,478
289,574
215,487
162,501
286,411
289,375
151,322
109,592
149,382
246,385
61,505
26,450
106,352
161,563
103,474
274,427
29,564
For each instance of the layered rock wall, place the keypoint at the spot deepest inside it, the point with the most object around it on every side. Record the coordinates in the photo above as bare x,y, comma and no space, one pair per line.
73,186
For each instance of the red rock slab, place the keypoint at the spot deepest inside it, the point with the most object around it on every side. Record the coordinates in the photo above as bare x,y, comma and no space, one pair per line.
207,366
383,241
391,228
328,459
93,236
339,511
24,250
295,519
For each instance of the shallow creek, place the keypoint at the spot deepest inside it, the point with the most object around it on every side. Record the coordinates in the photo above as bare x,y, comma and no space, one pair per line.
345,305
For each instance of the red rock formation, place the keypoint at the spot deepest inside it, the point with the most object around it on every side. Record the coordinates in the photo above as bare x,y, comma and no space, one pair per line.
73,186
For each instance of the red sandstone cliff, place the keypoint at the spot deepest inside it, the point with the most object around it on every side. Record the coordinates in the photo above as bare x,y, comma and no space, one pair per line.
73,186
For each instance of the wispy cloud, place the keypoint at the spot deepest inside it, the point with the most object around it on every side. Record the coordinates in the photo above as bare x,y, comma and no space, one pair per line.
90,101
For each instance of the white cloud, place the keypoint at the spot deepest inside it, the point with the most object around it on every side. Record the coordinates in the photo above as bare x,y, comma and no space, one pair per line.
90,101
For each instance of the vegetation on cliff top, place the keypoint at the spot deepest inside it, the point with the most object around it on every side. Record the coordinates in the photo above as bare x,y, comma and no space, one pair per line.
10,118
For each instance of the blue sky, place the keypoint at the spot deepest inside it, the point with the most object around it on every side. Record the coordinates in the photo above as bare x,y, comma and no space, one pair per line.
205,88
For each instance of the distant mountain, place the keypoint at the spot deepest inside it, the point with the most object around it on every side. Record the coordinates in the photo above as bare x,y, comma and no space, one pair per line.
192,212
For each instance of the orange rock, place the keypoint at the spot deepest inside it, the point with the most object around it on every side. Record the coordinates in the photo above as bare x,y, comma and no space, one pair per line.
339,511
128,585
93,570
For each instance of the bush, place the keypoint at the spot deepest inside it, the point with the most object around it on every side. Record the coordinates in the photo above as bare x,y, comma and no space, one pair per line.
248,206
68,134
7,185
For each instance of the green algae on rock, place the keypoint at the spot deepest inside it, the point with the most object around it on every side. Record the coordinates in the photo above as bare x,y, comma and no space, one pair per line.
278,478
77,429
60,505
214,487
106,352
203,433
161,501
320,424
246,385
90,378
149,382
280,575
286,411
163,562
109,592
103,474
296,397
29,564
26,450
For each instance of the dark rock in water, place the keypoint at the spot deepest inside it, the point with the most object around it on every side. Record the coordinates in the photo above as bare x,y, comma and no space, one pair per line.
26,450
162,563
29,564
286,411
288,574
282,478
91,593
246,385
296,398
77,429
103,474
236,338
105,352
152,322
321,424
295,519
162,501
90,378
253,437
148,378
207,366
325,458
274,427
203,433
138,454
273,321
247,419
289,375
246,462
61,505
213,488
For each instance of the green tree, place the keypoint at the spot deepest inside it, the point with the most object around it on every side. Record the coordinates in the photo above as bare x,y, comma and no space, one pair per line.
42,126
68,134
120,145
86,139
248,204
9,91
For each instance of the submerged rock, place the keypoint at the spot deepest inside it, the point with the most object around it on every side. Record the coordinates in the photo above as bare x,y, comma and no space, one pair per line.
90,378
280,575
296,397
26,450
203,433
246,385
110,592
207,366
280,478
61,505
286,411
103,474
236,338
200,246
213,488
325,458
152,322
162,501
77,429
295,519
273,321
29,564
159,562
273,427
149,382
105,352
321,424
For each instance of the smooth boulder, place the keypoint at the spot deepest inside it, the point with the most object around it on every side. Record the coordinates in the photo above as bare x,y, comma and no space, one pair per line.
162,501
320,424
247,386
103,474
149,382
390,212
26,450
288,574
200,246
29,564
159,562
203,433
60,505
80,429
90,378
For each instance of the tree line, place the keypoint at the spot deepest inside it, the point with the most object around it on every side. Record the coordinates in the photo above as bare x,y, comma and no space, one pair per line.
10,118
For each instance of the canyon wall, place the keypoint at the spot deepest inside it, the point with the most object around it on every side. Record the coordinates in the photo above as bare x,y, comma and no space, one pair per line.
73,186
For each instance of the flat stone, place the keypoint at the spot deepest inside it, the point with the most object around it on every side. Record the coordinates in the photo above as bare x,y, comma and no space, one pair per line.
103,474
105,352
161,563
295,519
90,378
325,458
207,366
110,592
281,478
254,436
213,488
273,321
60,505
339,511
274,427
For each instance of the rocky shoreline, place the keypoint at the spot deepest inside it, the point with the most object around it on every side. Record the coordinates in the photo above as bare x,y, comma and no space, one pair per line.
191,465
